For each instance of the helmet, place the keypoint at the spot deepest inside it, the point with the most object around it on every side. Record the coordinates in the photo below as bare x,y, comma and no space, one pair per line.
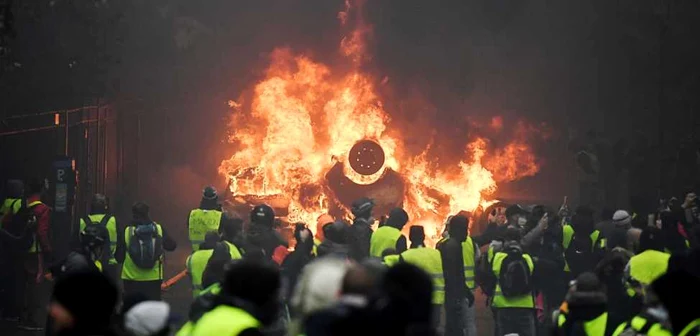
93,236
209,193
262,214
361,206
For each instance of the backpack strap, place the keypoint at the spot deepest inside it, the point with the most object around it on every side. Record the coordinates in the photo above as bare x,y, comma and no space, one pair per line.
105,220
87,220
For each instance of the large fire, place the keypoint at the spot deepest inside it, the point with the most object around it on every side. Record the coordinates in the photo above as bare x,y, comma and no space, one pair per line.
303,118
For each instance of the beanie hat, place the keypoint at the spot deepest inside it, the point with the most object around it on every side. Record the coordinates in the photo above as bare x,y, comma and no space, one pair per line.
622,218
209,193
89,296
397,218
148,318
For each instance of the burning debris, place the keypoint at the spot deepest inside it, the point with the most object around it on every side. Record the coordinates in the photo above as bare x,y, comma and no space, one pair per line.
316,137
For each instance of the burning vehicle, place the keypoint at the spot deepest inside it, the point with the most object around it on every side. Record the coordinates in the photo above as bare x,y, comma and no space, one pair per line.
311,138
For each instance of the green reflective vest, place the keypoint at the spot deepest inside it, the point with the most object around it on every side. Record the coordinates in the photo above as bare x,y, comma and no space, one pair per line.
430,261
641,325
384,238
317,243
132,272
648,266
10,205
468,254
568,234
223,321
594,327
35,246
111,228
201,222
196,263
692,329
234,251
391,260
214,289
500,301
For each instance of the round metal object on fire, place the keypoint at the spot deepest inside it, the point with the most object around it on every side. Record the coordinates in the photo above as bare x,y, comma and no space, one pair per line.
366,157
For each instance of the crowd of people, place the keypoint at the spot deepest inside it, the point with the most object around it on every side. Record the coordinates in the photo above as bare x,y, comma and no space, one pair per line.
541,270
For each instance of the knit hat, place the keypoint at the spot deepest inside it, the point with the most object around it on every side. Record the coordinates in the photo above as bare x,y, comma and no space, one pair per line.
397,218
622,218
209,193
148,318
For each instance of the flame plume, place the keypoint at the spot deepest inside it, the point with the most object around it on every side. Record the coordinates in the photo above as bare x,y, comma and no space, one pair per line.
303,118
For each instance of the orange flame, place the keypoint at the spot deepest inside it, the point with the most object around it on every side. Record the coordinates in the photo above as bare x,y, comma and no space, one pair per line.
303,118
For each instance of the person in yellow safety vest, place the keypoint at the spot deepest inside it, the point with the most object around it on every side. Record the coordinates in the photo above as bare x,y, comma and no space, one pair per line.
197,261
650,263
653,320
319,237
12,202
141,254
584,311
459,254
9,310
430,261
389,235
514,304
579,258
231,231
249,302
99,215
204,219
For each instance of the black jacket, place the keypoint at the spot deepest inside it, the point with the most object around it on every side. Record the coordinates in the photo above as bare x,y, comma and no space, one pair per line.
359,239
455,286
265,238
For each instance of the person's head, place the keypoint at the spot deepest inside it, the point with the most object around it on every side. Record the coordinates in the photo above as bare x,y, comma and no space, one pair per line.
74,306
651,238
516,215
622,218
512,235
231,228
358,280
586,291
210,240
318,285
35,186
256,286
397,218
149,318
15,189
408,292
610,270
336,232
458,228
262,215
362,208
99,204
141,211
537,212
416,234
321,222
210,198
582,220
93,240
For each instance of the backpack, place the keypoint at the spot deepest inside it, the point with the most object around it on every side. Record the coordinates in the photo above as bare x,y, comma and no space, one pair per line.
145,245
22,225
103,223
579,254
515,277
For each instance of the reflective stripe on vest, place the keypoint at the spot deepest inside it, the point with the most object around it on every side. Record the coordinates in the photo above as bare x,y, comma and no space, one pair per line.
384,238
500,301
214,289
35,245
568,235
594,327
648,266
224,320
200,222
468,254
430,261
132,272
692,329
196,263
111,229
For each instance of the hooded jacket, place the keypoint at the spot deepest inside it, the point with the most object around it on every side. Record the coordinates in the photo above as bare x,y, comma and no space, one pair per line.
360,235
